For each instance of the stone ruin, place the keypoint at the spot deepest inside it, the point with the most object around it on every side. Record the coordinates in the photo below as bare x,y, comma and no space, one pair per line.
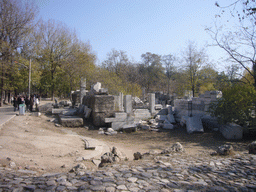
104,110
123,112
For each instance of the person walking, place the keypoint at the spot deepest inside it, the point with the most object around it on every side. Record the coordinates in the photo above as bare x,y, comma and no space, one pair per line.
15,103
37,103
27,103
31,103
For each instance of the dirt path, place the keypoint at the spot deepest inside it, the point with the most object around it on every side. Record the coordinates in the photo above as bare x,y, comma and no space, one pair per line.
35,143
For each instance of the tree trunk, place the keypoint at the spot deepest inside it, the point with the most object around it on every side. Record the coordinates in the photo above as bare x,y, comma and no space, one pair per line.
254,74
2,86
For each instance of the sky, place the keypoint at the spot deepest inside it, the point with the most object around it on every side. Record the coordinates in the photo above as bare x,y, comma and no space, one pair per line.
137,26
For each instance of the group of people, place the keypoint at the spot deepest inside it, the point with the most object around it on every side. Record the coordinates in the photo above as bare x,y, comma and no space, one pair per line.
29,101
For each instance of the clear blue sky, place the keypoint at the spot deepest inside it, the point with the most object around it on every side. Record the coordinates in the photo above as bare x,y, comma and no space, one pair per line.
136,26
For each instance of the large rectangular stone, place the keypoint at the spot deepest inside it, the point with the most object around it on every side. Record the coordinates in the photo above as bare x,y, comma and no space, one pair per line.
118,125
56,111
102,103
118,118
194,124
121,115
99,118
71,121
232,131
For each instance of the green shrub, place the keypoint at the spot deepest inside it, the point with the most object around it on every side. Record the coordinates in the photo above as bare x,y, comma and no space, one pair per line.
237,105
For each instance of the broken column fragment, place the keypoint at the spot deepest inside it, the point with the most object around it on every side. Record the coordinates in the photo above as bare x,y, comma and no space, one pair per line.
128,104
152,103
82,89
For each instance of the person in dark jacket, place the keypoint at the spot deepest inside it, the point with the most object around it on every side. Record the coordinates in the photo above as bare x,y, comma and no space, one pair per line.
19,102
27,102
31,103
15,103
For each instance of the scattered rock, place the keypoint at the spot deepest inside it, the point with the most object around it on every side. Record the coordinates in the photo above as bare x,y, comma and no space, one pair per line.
78,167
137,156
106,158
177,147
96,162
225,150
57,125
252,147
110,130
12,164
79,159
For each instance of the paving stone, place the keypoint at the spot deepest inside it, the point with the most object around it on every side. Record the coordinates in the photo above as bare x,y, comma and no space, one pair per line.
98,188
186,173
60,188
110,189
121,187
132,179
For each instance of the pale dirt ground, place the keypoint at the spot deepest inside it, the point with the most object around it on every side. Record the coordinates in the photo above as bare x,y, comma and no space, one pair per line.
35,143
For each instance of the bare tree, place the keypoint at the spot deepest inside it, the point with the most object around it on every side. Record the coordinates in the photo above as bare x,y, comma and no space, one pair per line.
194,59
168,61
240,43
116,62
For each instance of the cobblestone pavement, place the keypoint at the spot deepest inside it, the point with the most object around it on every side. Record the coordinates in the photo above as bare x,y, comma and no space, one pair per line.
173,172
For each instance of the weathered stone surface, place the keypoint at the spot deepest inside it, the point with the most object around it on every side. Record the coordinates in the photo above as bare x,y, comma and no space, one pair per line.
71,121
155,172
167,125
252,147
56,111
225,150
232,131
177,147
137,156
87,112
128,104
194,124
99,118
102,103
152,103
141,114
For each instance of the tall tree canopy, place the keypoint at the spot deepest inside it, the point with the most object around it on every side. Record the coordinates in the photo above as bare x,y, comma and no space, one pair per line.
16,23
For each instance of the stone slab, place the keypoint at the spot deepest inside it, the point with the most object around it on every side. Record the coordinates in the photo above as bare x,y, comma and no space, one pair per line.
194,124
71,121
171,118
167,126
118,125
121,115
69,112
232,131
56,111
